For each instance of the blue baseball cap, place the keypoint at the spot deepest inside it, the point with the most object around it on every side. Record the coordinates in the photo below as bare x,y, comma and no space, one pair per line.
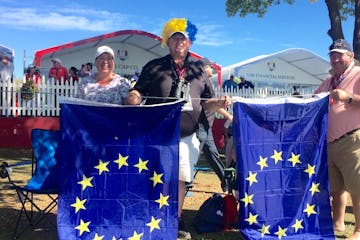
340,46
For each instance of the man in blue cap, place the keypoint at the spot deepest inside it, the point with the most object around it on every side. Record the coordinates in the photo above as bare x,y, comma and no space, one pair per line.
343,135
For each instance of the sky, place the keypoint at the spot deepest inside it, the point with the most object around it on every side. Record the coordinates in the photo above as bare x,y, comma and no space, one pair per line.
28,26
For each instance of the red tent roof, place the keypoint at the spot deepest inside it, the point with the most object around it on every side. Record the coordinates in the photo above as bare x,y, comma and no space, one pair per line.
133,47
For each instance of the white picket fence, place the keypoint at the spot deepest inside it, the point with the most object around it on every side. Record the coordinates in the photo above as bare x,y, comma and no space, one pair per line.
46,103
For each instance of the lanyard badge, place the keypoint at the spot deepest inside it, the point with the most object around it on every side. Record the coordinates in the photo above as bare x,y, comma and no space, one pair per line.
183,90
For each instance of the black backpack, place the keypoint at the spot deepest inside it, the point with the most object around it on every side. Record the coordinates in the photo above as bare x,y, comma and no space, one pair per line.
209,216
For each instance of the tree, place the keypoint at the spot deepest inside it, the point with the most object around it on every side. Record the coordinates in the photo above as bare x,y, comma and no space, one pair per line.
338,10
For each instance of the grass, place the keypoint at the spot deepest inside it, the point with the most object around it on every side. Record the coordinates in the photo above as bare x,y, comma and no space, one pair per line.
205,184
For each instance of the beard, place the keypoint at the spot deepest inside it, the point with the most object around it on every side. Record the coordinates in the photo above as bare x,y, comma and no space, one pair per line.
339,68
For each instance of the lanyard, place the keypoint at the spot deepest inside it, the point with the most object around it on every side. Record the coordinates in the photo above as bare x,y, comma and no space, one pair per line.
336,81
181,72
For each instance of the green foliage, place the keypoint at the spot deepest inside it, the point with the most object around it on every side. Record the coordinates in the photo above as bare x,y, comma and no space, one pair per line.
245,7
260,7
28,90
347,8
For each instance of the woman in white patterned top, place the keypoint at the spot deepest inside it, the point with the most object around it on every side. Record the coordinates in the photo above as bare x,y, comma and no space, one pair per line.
104,86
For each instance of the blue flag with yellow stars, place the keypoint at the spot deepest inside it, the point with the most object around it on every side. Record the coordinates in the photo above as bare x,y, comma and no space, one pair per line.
119,171
280,147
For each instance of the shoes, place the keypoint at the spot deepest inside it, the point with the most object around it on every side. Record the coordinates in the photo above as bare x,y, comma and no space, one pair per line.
182,234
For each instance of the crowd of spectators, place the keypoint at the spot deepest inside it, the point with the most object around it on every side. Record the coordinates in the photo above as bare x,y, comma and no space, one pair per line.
61,74
73,74
33,73
233,84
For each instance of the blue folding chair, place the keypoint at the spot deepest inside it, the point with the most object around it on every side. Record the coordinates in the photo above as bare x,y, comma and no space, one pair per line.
44,181
189,185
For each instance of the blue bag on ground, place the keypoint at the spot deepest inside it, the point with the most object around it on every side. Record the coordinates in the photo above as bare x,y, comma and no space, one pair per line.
209,216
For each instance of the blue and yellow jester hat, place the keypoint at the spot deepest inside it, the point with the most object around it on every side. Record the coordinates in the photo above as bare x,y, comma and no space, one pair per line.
181,25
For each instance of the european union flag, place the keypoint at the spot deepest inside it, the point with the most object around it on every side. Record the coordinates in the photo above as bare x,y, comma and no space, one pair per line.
281,154
119,168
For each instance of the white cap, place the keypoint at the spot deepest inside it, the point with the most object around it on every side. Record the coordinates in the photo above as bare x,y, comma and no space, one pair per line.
104,49
183,33
56,60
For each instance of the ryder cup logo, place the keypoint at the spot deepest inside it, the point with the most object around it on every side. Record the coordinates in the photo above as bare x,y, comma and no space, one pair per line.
122,54
271,66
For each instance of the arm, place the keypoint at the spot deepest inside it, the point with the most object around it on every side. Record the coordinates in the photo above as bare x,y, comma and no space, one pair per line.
133,98
80,91
225,113
51,73
347,97
213,104
251,85
66,77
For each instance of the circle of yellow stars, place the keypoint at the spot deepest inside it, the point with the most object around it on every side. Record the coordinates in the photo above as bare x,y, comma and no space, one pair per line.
102,167
252,179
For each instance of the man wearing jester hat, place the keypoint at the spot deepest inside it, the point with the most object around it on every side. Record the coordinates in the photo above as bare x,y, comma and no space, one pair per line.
178,75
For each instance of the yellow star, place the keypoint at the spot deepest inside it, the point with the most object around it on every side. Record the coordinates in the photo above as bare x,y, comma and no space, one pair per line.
154,223
294,159
79,204
162,200
251,178
97,237
136,236
247,199
314,188
262,163
142,165
281,232
156,178
252,218
83,227
297,225
121,161
86,182
277,156
310,170
102,167
310,209
264,230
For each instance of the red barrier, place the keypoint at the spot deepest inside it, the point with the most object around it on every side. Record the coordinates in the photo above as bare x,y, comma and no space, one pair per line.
15,132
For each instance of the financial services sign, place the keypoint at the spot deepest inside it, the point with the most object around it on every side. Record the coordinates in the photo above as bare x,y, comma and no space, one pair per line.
275,72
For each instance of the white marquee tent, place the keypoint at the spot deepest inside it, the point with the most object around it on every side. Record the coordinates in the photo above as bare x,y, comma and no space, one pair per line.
287,68
133,48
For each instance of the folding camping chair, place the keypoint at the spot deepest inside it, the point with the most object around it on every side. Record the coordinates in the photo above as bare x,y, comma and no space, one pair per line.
44,181
189,185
